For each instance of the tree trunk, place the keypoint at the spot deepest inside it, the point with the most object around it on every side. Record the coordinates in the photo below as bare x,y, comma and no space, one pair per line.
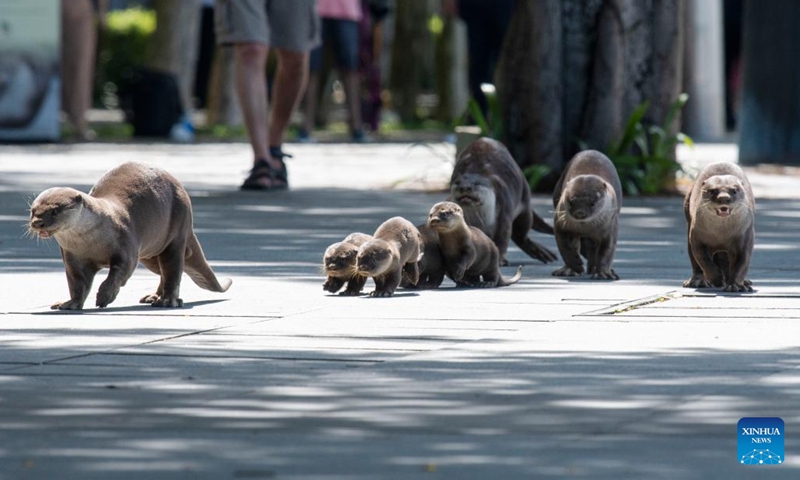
174,45
770,112
411,40
223,107
572,71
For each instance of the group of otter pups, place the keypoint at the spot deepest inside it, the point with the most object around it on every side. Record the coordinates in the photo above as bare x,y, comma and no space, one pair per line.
137,213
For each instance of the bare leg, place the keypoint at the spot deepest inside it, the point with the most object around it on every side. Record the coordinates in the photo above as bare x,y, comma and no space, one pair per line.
290,82
79,42
251,88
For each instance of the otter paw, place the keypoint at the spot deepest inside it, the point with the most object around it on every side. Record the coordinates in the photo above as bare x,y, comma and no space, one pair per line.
543,254
381,293
566,271
152,298
333,284
697,281
350,293
167,302
68,305
605,274
738,287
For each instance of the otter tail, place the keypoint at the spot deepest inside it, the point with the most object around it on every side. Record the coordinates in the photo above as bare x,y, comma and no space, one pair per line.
504,282
535,250
540,225
198,269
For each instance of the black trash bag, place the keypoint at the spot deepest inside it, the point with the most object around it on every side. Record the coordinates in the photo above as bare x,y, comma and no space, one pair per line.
153,103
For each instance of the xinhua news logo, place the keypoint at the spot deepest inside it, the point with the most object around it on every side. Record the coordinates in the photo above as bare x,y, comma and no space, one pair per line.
761,441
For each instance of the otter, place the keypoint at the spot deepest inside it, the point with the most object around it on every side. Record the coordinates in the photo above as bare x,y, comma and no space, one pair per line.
431,265
339,265
470,257
720,213
587,200
395,248
491,189
134,213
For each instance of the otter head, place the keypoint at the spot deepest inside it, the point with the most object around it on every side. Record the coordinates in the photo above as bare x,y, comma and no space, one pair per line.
374,258
339,259
471,190
55,210
584,196
722,193
445,216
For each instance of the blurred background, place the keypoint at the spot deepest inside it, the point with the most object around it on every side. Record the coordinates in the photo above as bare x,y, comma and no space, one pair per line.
635,79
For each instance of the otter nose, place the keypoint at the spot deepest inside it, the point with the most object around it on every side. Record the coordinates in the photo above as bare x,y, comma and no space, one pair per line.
579,214
724,198
37,223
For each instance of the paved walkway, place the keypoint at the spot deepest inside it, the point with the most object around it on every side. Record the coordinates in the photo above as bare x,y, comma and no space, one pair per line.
549,378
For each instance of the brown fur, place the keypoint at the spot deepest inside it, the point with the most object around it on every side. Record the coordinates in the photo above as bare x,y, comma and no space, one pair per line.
587,200
720,211
471,259
489,186
339,265
134,213
396,247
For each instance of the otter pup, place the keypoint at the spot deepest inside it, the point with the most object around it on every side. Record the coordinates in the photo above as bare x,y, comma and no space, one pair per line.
720,212
470,257
489,186
339,265
431,265
134,213
587,200
395,248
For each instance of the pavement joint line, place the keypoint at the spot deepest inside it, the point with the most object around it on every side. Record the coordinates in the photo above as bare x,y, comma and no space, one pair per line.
632,304
253,357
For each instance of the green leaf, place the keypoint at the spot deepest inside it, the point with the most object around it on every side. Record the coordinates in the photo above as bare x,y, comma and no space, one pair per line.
630,129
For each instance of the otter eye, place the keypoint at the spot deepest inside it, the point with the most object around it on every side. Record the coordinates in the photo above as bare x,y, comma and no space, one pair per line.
714,192
734,191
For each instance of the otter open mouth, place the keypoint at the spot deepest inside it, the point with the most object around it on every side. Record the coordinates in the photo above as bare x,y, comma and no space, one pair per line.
468,200
723,211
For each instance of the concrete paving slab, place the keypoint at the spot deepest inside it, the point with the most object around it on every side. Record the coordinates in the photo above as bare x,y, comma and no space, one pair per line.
548,378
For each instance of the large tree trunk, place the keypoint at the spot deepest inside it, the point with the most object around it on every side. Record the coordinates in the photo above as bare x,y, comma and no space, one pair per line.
174,46
770,112
573,71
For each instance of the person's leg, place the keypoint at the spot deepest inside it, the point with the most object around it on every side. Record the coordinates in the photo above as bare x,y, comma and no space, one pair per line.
290,82
251,60
477,50
345,39
79,37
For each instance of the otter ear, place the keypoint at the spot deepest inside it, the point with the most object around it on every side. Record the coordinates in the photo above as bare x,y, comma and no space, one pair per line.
78,199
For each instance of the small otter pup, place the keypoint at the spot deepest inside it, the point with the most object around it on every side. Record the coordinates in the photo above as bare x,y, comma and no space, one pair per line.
491,189
587,200
339,265
395,248
431,265
134,213
470,257
720,212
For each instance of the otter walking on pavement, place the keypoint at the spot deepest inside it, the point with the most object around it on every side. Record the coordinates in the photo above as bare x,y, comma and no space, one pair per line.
720,211
134,213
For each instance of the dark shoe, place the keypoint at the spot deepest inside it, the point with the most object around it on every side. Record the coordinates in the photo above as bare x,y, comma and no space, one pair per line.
263,170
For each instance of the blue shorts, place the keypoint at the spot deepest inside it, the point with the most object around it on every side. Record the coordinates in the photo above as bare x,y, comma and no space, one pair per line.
343,37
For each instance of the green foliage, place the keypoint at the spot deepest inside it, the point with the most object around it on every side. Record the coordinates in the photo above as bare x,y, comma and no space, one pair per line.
535,173
491,124
652,167
122,48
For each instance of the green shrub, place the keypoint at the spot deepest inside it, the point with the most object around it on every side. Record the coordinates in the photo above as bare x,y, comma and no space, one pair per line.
650,167
122,48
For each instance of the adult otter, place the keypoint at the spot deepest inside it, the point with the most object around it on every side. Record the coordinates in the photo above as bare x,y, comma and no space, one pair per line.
339,265
134,213
396,247
489,186
470,257
587,200
431,265
720,211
